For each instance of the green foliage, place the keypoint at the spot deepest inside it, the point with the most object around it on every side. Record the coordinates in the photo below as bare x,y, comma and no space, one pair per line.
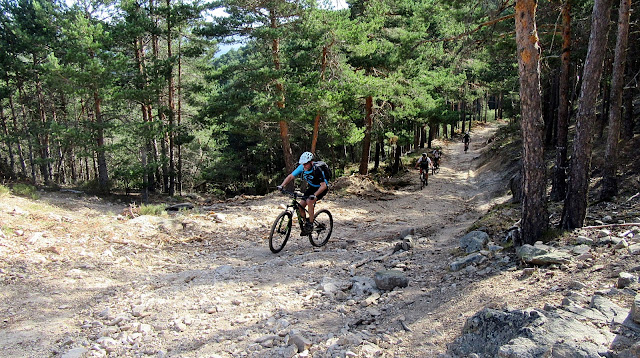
153,209
416,59
26,190
4,190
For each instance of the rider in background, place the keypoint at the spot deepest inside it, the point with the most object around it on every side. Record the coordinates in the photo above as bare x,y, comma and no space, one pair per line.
316,189
436,157
466,139
424,163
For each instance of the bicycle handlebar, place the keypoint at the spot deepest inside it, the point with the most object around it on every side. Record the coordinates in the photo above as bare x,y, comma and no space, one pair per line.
295,194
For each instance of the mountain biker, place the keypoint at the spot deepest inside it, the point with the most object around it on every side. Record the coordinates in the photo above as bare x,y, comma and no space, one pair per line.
436,157
424,163
316,189
466,139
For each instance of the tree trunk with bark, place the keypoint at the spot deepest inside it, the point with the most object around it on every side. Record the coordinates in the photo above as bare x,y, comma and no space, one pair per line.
559,181
5,131
147,176
280,101
170,100
609,180
14,118
45,150
575,205
534,213
366,142
316,120
103,176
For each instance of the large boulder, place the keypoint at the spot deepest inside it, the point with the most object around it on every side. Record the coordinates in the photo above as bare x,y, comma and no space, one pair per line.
569,331
389,279
474,241
542,255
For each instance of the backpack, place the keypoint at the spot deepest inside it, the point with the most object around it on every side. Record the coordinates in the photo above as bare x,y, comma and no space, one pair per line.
328,175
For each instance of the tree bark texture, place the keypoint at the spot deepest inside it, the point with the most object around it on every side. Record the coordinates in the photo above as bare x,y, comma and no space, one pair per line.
316,120
534,214
559,181
575,205
366,142
103,176
5,130
280,102
170,102
16,128
609,181
45,151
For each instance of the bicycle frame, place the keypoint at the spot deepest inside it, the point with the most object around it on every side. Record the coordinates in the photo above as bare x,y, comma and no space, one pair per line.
295,206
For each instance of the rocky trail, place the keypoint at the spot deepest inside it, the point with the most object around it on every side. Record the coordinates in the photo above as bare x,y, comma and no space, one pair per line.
79,278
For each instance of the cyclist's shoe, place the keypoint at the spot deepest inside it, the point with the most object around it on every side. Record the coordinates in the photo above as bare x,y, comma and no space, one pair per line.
307,229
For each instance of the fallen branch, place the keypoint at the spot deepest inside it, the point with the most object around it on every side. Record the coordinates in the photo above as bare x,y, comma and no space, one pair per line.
404,326
367,260
633,197
609,225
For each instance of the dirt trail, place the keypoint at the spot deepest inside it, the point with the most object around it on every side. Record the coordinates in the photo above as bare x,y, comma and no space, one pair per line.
78,281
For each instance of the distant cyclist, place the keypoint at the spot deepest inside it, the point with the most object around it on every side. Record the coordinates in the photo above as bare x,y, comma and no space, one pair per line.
466,139
424,163
436,158
316,189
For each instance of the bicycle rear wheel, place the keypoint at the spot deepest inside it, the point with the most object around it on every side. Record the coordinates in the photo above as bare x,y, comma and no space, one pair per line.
322,228
280,232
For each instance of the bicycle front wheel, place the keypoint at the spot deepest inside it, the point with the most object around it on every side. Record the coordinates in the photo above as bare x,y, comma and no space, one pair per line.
322,228
280,232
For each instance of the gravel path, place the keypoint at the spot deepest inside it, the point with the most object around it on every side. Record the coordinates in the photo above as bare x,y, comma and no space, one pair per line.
79,280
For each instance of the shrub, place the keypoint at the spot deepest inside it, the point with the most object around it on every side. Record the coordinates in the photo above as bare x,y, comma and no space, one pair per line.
157,210
26,190
3,190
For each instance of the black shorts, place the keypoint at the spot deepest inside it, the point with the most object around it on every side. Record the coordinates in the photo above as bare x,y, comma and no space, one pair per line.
311,191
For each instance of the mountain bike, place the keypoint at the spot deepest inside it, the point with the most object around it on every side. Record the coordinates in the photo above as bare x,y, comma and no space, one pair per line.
466,146
436,167
281,228
424,178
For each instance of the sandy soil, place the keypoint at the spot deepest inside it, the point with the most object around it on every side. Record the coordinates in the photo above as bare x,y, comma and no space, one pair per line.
80,280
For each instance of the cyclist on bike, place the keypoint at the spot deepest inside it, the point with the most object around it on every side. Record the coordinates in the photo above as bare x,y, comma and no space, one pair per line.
424,163
316,189
436,157
466,139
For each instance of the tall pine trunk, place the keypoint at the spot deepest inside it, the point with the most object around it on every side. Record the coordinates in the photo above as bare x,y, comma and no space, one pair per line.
172,167
280,101
559,181
366,142
145,152
609,181
534,213
575,205
16,131
316,120
5,131
45,151
103,176
27,131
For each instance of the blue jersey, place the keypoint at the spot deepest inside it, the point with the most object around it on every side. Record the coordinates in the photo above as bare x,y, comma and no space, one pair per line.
314,177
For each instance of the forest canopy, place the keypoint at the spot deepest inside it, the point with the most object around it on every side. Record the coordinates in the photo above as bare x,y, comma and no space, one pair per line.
136,95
